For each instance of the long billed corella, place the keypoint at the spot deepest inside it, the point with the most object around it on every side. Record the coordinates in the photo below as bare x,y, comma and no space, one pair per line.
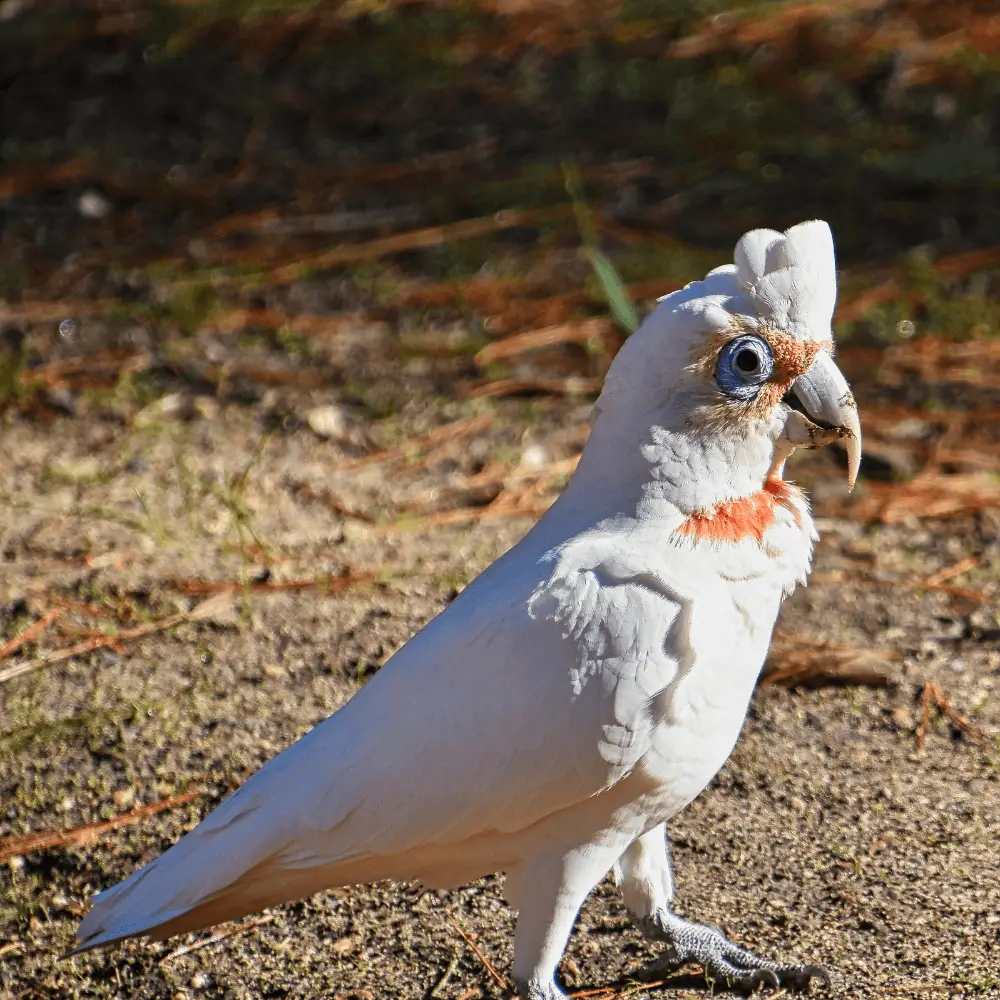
591,682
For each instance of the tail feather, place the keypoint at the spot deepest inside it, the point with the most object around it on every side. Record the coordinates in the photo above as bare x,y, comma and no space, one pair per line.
124,911
207,872
111,921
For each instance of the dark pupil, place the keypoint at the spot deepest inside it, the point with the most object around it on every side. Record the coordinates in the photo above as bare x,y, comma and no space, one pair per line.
747,361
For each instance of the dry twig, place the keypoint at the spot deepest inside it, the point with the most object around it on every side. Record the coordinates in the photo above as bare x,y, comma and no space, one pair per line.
572,385
80,836
326,585
413,446
929,495
463,515
591,330
114,641
417,239
796,662
479,954
948,573
933,695
609,993
308,492
214,939
53,312
30,634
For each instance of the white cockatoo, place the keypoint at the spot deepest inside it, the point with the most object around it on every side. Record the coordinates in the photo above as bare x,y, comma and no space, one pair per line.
590,683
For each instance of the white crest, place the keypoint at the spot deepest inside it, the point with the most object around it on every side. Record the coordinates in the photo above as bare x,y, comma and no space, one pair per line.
791,277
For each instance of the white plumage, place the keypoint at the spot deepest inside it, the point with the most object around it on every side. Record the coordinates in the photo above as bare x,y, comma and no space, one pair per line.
583,689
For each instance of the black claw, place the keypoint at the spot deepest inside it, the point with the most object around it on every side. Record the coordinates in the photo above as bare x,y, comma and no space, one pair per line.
818,972
800,976
765,976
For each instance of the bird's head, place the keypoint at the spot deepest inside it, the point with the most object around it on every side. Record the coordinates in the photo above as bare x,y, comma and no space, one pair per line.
732,373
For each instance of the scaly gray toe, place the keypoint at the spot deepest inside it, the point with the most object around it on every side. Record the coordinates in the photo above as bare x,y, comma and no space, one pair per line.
725,962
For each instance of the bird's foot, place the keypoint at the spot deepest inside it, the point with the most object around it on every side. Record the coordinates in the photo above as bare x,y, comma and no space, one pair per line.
536,989
724,961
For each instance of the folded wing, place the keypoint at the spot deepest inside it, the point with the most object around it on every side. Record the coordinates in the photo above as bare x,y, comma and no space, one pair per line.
502,713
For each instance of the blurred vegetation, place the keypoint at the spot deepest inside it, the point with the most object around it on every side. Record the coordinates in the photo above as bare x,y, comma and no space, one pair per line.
232,148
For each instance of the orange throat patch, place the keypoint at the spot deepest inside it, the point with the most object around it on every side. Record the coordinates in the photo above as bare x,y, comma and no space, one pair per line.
747,517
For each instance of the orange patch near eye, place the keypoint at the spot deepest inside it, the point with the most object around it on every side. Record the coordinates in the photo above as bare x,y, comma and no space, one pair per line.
748,517
791,358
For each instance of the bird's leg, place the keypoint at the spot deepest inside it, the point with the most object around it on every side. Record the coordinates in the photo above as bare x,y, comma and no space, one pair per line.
646,882
548,892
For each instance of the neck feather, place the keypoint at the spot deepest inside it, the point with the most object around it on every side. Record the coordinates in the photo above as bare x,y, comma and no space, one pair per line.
747,517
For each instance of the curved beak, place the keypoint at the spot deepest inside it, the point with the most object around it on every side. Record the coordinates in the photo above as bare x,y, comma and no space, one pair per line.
826,412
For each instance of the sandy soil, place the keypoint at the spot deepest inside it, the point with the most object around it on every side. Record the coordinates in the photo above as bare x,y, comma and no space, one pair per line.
827,837
130,496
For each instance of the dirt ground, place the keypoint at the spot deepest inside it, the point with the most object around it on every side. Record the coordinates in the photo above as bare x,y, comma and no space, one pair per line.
240,497
828,836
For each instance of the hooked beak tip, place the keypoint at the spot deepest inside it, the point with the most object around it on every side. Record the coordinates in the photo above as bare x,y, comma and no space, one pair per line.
827,400
852,444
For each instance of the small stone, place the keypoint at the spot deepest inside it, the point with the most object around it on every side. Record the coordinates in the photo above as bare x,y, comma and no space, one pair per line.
124,797
327,421
903,717
93,205
571,970
913,429
346,945
205,407
535,457
200,980
9,9
77,470
173,406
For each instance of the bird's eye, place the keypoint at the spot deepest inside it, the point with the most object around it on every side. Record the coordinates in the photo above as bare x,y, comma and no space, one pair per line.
745,364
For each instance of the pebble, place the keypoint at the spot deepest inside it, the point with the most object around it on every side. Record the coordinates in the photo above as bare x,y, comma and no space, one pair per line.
327,421
93,205
346,945
535,457
77,470
173,406
903,717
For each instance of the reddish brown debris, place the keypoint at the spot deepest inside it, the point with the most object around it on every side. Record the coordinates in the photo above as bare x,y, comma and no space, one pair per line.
30,634
81,836
415,445
797,661
933,695
418,239
487,964
324,585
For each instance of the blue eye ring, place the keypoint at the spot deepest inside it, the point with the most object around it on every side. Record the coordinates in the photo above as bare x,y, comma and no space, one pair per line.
744,365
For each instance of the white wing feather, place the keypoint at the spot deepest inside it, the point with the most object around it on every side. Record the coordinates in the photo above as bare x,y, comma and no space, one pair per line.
527,696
